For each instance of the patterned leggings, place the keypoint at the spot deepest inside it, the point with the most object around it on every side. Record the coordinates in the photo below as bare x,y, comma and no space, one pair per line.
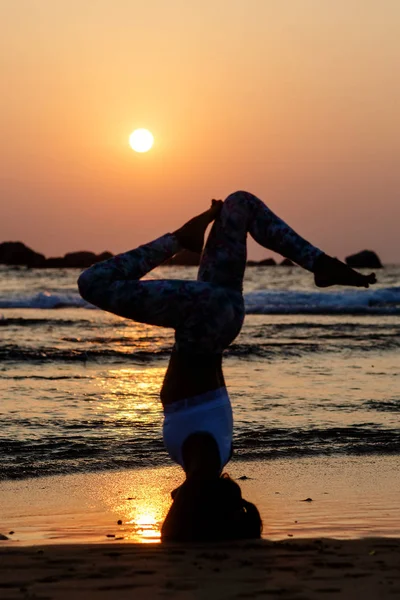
206,314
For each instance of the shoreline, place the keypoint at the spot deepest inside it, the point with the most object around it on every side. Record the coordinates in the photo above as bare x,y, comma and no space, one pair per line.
336,497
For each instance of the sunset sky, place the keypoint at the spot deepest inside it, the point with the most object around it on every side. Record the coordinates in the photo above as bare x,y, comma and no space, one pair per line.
296,101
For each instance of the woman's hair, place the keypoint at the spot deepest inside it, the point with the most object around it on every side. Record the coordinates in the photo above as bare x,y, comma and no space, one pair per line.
211,510
240,519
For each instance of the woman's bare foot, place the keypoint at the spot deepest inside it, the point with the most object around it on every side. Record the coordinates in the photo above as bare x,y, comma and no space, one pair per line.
191,234
331,271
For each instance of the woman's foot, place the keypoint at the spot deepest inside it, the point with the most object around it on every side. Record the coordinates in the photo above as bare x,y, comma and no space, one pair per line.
191,234
331,271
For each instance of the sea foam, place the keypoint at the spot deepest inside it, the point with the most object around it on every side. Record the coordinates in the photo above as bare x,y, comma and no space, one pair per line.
385,301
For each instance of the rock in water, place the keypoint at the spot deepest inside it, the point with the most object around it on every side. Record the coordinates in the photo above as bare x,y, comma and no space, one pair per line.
185,258
104,256
79,260
16,253
366,259
266,262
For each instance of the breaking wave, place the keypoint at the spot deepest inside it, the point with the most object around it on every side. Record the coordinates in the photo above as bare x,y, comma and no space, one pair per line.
384,301
73,451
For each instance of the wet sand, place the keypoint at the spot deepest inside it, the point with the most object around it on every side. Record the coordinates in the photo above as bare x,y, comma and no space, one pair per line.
342,498
298,569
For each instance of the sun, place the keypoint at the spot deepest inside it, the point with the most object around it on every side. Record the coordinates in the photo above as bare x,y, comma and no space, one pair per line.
141,140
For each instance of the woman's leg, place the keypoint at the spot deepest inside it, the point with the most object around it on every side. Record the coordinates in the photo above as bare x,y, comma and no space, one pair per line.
113,285
224,258
199,312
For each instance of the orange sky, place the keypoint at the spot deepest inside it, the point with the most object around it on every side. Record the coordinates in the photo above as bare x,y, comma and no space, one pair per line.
294,100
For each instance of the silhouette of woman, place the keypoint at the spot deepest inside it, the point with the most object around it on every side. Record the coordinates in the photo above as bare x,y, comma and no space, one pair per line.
206,315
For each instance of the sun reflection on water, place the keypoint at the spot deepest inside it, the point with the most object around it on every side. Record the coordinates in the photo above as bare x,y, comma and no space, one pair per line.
141,502
144,515
140,337
132,393
142,499
146,525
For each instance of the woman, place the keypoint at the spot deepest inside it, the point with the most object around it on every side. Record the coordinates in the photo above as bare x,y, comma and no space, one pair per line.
207,315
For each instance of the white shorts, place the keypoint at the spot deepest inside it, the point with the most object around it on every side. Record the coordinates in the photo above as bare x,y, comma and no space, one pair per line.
210,412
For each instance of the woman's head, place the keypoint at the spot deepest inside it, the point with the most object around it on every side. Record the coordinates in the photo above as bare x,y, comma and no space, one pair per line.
234,517
211,510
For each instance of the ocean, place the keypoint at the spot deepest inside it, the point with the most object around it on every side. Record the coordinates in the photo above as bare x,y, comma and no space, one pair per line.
313,373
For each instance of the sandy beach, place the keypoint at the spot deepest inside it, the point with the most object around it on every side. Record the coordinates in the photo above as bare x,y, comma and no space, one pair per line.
300,569
331,530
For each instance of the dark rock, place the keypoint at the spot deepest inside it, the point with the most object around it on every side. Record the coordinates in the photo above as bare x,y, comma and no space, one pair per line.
267,262
365,259
192,259
76,260
185,258
79,260
16,253
54,263
104,256
287,263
